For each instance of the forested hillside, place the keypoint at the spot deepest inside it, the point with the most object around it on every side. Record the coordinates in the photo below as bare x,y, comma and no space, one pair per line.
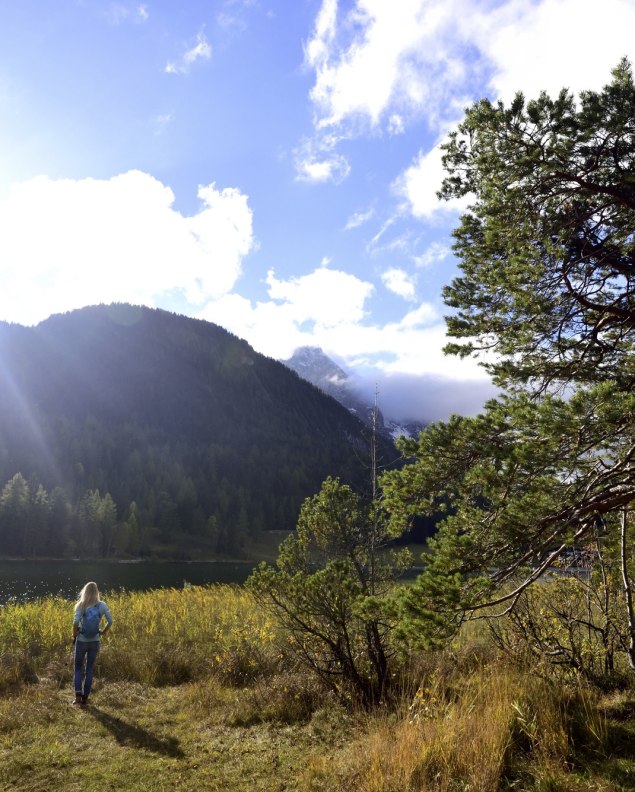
126,430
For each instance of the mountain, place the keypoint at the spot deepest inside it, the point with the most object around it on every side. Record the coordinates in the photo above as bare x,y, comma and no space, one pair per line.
127,430
320,370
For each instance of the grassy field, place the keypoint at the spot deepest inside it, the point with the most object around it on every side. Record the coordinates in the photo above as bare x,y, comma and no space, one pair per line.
140,737
195,691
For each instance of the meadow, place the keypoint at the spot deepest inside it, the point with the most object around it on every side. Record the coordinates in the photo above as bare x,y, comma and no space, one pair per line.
197,688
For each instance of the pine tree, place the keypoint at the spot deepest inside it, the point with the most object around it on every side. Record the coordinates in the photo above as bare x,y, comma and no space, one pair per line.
546,298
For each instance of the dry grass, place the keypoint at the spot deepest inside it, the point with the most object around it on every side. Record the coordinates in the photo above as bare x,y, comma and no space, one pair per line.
162,637
194,691
492,729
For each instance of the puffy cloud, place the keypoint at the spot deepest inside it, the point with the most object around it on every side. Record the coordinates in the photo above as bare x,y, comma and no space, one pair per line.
381,65
404,359
333,168
201,50
381,60
545,46
299,310
399,282
317,49
316,161
420,183
327,308
68,243
382,56
327,297
387,62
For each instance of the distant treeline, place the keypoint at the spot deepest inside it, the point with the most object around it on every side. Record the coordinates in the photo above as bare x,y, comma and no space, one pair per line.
129,491
36,523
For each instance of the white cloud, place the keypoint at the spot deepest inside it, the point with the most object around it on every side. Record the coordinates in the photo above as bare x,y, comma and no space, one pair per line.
563,32
317,50
327,297
300,310
383,58
403,358
327,308
69,243
405,361
161,122
381,61
434,254
315,161
383,65
419,184
118,13
378,62
333,169
396,124
555,44
201,50
358,219
423,316
399,282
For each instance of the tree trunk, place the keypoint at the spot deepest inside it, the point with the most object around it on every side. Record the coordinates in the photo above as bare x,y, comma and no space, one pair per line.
628,594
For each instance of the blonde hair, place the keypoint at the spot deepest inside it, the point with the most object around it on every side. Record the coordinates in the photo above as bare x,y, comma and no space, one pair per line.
88,596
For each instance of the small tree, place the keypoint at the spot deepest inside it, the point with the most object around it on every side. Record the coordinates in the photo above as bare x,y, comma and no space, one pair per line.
329,592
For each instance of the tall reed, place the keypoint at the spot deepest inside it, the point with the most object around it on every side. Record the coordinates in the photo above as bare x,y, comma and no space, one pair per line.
158,637
476,731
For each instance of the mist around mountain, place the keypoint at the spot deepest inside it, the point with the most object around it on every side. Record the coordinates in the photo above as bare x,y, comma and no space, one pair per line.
313,365
130,431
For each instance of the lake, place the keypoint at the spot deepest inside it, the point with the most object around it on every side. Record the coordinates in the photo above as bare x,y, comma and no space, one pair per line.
25,580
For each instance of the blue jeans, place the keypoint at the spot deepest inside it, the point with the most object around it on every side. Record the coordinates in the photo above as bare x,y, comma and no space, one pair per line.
88,650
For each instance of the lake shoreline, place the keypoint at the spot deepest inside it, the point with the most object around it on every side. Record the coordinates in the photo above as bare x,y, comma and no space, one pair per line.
55,560
22,580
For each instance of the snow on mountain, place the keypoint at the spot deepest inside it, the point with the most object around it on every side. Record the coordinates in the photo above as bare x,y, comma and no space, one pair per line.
313,365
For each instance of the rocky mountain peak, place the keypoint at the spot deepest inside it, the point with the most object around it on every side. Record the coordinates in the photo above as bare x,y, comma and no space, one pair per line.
314,365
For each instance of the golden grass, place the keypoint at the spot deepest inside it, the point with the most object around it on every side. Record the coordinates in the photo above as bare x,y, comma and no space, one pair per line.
167,636
480,732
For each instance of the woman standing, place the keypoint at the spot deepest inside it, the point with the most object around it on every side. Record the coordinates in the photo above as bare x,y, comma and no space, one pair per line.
86,633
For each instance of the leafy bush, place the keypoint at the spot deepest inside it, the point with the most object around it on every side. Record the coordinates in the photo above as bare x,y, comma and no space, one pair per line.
330,593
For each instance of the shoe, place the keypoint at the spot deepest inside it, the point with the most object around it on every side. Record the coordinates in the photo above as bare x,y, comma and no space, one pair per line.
79,700
84,702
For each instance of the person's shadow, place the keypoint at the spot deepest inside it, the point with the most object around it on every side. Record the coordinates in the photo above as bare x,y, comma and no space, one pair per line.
135,736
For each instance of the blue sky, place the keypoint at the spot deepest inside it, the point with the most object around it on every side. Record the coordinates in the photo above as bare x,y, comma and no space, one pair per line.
268,165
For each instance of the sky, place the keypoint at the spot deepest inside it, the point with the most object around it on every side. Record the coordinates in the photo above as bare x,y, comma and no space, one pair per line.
268,165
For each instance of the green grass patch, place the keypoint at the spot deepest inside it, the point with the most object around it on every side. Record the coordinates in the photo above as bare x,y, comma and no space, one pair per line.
141,737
